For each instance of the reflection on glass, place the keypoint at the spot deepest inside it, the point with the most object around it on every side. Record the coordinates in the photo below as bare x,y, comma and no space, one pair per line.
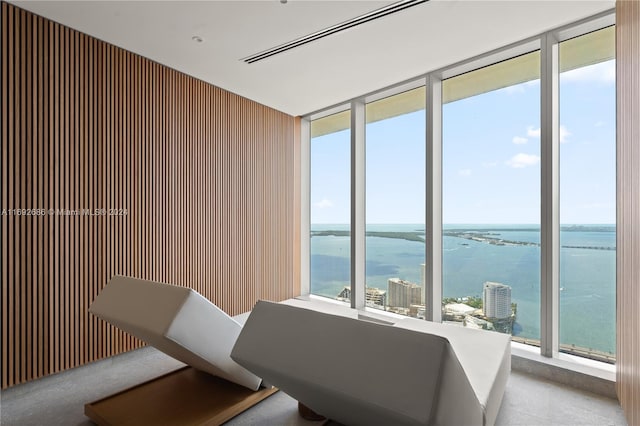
491,198
395,203
330,206
588,196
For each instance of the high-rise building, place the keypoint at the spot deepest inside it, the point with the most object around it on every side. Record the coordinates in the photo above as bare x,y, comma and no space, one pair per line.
402,294
496,300
374,297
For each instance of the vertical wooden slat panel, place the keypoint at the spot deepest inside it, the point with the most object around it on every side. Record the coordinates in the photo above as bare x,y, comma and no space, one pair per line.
73,193
90,144
50,195
66,170
58,144
13,170
7,100
102,179
22,150
628,215
39,200
33,197
208,181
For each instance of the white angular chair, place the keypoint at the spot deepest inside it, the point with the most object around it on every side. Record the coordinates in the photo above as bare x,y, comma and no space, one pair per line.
485,357
363,373
178,321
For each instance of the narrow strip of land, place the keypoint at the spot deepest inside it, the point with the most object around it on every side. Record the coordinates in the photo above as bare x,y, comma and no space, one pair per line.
409,236
480,236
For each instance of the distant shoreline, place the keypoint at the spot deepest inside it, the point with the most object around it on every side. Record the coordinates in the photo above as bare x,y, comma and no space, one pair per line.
409,236
487,236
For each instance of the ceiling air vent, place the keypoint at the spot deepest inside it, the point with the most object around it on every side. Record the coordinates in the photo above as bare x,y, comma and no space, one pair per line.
376,14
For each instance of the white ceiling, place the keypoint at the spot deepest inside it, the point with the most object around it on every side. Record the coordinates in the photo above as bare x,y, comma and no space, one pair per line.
325,72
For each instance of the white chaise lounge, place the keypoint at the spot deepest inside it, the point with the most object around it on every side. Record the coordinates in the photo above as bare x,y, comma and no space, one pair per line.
176,320
359,372
350,369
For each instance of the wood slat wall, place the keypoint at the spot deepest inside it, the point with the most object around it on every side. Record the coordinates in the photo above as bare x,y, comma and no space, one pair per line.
628,260
209,182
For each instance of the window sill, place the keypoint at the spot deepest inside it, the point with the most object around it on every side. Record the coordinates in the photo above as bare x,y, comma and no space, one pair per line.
568,362
582,373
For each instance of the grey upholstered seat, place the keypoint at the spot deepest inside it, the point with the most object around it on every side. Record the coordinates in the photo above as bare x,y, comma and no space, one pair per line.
363,373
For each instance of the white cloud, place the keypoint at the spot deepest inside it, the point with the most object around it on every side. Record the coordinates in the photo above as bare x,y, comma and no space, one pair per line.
564,134
522,160
603,72
325,203
464,172
533,133
599,123
490,164
519,140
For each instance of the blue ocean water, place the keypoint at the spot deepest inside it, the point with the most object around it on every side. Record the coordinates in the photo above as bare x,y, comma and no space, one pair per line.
587,272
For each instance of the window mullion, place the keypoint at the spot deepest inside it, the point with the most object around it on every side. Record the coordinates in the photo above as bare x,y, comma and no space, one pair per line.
358,203
305,207
550,197
433,220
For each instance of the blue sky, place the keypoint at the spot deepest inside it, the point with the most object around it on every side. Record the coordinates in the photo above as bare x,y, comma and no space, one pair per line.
491,158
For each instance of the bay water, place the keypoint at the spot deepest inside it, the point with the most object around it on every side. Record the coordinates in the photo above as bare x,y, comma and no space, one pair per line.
587,271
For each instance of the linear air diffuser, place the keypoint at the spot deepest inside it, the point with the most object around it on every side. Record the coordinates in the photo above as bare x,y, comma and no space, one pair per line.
367,17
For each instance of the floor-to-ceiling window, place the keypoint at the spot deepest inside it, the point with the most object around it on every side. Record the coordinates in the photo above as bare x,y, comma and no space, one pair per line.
491,197
395,203
525,184
588,195
330,170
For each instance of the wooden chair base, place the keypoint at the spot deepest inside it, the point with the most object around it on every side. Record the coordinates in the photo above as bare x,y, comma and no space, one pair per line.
183,397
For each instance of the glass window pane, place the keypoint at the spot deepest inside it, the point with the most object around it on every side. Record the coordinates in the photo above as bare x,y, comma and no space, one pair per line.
491,198
588,197
330,208
395,203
